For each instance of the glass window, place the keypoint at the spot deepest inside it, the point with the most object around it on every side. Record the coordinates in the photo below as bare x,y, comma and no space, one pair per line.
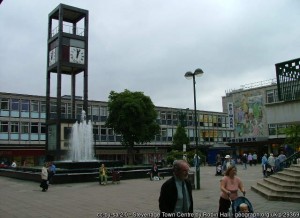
53,107
43,107
103,111
24,127
63,109
110,132
34,127
95,129
15,104
103,130
95,111
4,104
169,116
43,128
272,129
25,105
4,126
79,109
163,132
14,127
281,129
272,96
163,115
34,106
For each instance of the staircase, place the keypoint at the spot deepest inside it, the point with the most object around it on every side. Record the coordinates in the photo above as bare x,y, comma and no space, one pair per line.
281,186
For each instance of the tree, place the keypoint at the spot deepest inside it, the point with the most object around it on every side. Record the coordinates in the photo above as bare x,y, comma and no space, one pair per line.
180,138
133,115
293,136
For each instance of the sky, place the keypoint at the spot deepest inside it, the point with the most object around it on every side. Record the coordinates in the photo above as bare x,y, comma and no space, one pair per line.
148,46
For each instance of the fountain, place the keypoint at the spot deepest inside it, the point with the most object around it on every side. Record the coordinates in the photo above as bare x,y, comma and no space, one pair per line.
81,152
81,141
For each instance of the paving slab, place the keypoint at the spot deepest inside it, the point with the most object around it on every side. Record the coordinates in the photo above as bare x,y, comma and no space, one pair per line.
130,198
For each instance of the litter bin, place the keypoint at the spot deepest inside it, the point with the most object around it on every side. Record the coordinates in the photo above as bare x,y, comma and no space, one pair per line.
191,177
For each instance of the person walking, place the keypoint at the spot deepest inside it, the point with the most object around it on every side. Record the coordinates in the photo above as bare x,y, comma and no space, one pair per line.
254,158
176,198
250,159
245,160
271,162
281,159
229,185
264,164
227,163
51,172
44,177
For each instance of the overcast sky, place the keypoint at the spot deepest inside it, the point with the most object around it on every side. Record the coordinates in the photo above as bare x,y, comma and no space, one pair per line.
148,46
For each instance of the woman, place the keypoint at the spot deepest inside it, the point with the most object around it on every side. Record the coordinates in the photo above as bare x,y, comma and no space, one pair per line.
229,185
44,175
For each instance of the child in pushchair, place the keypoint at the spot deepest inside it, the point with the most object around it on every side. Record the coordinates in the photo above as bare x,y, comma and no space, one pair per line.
242,207
218,169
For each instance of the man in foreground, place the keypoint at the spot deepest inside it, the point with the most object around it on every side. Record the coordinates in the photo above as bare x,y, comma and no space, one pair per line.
176,193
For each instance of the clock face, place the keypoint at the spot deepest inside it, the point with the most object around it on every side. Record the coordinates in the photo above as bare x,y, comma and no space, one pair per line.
76,55
52,56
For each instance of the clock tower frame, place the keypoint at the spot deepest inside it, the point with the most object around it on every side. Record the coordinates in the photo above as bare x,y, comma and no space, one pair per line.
67,54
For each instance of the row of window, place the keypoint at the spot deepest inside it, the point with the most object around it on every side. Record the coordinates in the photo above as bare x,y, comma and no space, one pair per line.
22,108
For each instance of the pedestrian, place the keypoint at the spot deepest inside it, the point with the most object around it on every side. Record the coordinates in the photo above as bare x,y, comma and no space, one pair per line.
44,176
154,174
229,185
271,162
227,163
176,198
254,159
103,174
264,164
245,160
250,159
281,158
51,172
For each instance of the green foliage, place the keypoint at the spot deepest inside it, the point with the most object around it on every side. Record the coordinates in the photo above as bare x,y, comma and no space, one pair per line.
133,115
177,155
293,136
180,138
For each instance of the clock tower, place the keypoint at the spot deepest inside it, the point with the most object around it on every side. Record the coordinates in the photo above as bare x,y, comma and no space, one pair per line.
67,55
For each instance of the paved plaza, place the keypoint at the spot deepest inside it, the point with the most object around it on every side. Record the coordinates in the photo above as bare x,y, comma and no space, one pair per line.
136,198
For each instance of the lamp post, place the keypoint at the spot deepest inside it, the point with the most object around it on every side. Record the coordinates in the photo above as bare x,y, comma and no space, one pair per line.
189,75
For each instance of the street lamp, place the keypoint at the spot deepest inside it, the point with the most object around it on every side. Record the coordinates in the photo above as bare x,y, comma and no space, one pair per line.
189,75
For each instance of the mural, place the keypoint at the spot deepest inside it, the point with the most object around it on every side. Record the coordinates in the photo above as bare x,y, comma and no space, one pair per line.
248,114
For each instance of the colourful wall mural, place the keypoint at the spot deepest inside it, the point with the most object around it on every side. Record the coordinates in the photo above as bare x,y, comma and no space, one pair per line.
248,114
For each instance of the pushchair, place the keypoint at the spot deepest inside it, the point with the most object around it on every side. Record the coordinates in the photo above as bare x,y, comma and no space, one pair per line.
235,206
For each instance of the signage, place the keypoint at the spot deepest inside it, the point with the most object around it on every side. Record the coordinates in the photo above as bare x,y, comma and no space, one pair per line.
230,115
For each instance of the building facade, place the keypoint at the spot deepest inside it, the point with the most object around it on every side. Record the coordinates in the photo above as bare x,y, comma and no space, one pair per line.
259,119
23,130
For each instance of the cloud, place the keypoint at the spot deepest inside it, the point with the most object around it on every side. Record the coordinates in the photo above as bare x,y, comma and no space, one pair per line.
148,46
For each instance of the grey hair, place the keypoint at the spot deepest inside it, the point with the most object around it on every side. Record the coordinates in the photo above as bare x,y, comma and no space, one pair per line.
177,165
